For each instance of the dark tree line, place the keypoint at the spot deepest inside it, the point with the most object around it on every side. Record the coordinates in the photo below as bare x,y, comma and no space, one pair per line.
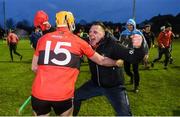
156,22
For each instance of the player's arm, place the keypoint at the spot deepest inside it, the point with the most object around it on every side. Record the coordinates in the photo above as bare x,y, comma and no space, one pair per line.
105,61
17,38
34,65
160,39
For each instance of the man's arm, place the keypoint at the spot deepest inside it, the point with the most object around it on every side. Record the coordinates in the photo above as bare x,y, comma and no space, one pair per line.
132,55
105,61
34,65
153,38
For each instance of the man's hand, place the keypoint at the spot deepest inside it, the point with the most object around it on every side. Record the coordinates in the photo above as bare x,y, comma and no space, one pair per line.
146,57
119,63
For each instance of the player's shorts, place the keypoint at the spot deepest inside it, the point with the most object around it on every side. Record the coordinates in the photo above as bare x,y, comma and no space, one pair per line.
42,107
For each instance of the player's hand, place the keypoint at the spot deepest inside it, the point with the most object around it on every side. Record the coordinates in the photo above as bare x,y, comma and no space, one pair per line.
136,40
119,63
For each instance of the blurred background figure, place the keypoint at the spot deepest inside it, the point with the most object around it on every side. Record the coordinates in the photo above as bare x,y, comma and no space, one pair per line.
126,36
149,36
42,26
12,41
35,35
164,42
41,21
117,32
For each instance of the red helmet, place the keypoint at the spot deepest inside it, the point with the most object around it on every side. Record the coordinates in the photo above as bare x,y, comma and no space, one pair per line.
40,19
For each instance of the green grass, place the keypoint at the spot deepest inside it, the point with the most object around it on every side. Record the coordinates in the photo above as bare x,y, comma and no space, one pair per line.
159,89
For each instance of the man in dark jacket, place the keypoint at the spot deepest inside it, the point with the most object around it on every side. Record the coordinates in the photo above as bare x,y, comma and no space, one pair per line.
149,36
107,81
34,37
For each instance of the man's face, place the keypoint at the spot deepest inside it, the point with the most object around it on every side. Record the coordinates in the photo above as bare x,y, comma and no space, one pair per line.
45,26
147,29
168,28
130,27
96,33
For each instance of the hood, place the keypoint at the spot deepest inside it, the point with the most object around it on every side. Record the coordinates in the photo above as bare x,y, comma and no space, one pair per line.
131,21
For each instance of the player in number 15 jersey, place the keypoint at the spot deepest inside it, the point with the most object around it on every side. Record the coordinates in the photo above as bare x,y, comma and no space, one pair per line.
56,61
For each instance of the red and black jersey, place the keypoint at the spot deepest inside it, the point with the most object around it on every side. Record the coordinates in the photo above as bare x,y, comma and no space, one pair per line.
165,38
12,38
59,55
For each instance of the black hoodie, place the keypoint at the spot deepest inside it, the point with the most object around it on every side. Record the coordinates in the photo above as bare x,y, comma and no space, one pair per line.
112,76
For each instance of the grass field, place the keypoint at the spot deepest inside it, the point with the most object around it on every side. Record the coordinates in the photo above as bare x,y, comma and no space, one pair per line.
159,89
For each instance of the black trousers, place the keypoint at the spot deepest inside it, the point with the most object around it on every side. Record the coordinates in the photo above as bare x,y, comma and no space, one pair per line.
135,74
162,51
12,48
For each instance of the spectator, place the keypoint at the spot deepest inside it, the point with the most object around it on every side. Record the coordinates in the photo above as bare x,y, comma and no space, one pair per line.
149,36
107,81
171,47
117,32
34,37
126,36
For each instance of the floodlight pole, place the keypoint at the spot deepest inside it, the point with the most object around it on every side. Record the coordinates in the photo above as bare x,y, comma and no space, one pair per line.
4,9
134,9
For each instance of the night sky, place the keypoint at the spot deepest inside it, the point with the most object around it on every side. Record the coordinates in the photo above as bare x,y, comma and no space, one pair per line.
89,10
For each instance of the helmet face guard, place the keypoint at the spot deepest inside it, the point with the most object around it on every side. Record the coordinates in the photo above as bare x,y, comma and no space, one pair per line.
41,20
65,18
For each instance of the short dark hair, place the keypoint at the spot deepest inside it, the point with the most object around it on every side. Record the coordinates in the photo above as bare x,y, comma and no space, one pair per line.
168,25
147,25
100,24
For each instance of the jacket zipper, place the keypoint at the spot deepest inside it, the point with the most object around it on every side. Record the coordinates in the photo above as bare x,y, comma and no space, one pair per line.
98,75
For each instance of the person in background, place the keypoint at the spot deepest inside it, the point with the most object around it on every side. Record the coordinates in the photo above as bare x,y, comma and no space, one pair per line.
127,35
149,36
171,47
12,41
34,37
164,43
41,21
56,63
107,81
117,32
42,26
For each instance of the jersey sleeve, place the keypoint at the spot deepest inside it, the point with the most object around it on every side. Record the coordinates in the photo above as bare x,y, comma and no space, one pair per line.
159,40
87,49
